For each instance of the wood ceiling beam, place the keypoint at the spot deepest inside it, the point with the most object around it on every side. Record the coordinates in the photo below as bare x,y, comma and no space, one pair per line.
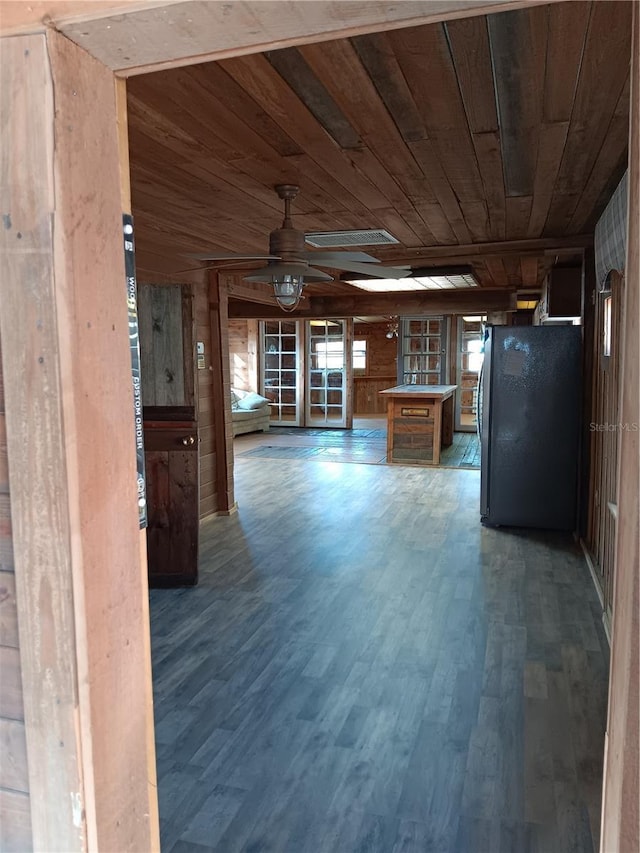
186,32
382,304
471,251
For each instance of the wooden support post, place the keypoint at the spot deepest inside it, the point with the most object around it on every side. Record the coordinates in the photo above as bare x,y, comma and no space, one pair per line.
221,387
80,592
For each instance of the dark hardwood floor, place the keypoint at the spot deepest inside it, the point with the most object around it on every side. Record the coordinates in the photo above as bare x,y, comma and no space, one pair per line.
363,667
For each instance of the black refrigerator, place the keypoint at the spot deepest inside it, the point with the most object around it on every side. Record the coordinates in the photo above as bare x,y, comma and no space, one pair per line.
530,400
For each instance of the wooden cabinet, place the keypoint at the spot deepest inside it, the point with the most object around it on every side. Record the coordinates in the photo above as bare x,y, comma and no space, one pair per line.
561,294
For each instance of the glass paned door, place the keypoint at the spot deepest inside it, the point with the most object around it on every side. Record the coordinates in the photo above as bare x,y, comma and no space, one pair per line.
424,348
326,373
279,346
469,350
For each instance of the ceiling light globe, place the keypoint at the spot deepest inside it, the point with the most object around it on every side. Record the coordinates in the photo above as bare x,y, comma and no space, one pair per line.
288,290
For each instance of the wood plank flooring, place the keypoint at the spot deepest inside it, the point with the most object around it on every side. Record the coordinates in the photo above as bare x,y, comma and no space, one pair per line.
357,445
364,667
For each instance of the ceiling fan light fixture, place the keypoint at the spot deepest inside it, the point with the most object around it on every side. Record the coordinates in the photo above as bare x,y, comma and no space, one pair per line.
287,289
287,279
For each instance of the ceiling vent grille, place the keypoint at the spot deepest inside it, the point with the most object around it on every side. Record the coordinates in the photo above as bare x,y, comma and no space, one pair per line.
373,237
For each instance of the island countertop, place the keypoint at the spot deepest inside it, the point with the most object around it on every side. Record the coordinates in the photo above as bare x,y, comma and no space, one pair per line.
440,392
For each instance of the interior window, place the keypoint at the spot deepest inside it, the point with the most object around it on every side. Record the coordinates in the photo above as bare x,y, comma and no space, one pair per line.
359,355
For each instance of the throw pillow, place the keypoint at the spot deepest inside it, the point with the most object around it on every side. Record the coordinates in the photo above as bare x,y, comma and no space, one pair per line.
251,401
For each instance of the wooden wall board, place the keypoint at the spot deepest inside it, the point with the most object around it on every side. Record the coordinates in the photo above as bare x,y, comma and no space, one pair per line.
161,345
8,610
15,812
11,703
14,775
15,822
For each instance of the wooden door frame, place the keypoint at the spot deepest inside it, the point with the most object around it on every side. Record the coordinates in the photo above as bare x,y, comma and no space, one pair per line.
46,337
80,558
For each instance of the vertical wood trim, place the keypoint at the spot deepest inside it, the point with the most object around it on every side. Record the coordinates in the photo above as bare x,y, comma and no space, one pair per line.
188,347
152,780
620,813
252,354
123,142
302,391
221,387
588,334
349,381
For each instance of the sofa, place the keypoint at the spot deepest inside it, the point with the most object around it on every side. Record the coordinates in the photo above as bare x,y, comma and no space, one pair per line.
249,412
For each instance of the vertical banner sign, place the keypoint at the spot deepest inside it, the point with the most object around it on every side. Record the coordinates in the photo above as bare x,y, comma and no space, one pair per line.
134,346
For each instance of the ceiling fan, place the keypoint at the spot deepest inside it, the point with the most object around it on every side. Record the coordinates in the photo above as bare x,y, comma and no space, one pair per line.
290,265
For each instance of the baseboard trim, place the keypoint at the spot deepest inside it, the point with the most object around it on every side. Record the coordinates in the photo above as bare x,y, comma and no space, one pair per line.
220,513
606,622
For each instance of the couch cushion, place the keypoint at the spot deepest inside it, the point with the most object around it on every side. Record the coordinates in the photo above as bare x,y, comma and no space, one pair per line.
251,401
240,416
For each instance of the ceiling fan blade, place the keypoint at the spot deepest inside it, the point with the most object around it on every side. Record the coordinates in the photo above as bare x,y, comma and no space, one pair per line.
371,269
231,256
328,257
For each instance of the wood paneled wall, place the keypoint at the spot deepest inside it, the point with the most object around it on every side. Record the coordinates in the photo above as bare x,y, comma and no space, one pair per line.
15,811
381,370
243,354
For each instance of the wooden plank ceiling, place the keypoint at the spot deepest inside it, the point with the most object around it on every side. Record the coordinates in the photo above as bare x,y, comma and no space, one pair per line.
494,140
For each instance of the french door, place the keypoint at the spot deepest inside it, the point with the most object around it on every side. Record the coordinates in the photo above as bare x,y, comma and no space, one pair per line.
424,348
280,344
305,371
326,373
469,360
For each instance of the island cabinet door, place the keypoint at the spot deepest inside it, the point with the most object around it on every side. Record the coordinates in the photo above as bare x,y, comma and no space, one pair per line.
167,357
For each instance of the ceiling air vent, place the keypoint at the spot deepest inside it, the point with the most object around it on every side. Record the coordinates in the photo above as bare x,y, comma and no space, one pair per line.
373,237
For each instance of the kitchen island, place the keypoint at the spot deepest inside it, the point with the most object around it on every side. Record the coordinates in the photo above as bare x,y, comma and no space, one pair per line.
419,422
